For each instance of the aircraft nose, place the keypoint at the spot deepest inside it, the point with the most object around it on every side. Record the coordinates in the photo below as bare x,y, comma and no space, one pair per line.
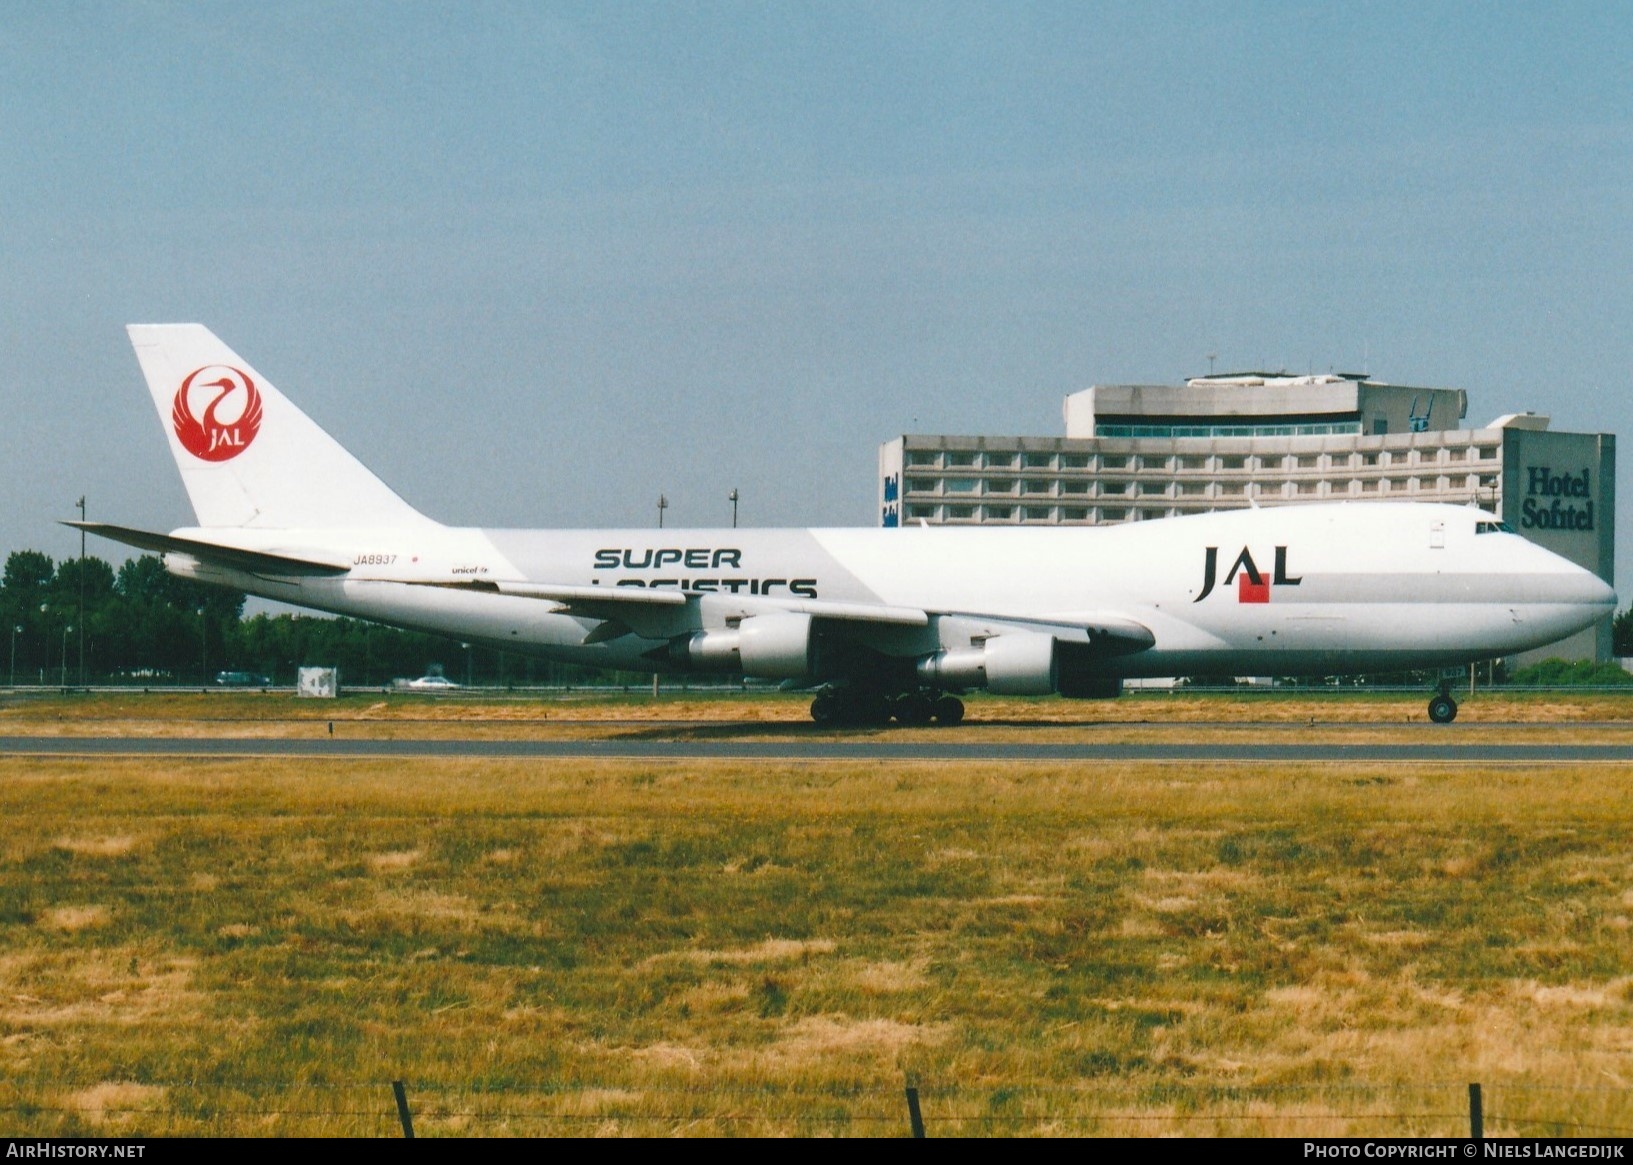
1589,590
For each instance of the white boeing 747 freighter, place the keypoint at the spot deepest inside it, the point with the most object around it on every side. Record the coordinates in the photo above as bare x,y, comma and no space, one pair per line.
881,623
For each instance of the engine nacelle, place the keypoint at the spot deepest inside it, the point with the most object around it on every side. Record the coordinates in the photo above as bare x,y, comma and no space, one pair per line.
777,646
1020,663
709,651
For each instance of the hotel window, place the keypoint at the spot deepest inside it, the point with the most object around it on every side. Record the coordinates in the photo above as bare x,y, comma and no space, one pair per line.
921,511
1074,461
960,485
1001,485
960,511
1037,487
1113,488
1074,514
1193,463
1112,515
1000,513
1001,460
1074,487
923,457
1037,513
1113,462
1233,463
962,460
1040,460
921,485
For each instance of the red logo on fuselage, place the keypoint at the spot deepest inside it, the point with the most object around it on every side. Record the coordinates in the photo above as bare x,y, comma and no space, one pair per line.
230,415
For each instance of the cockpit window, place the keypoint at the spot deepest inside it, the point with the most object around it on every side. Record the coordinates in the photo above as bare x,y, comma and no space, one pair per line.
1493,528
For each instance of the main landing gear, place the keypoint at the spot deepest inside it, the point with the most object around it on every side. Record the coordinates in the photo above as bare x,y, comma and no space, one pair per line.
1442,708
849,707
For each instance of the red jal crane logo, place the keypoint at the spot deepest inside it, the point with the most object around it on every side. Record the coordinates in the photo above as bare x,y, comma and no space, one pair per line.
231,415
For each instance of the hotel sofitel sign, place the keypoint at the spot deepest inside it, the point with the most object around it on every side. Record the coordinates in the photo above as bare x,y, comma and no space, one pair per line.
1556,501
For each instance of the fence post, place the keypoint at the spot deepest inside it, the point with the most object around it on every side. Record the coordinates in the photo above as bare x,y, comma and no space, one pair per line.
913,1114
401,1094
1477,1116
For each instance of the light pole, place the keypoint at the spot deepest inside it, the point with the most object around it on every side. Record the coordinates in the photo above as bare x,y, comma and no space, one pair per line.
82,592
66,632
16,630
733,498
203,654
663,504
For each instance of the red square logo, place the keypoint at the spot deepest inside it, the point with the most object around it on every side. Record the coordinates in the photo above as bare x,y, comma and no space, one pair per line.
1248,592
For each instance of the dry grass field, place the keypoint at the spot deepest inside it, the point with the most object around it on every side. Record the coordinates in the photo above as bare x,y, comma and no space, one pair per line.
259,947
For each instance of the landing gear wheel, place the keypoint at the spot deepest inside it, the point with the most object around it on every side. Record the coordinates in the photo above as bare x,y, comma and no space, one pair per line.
1442,709
872,709
915,708
823,709
949,710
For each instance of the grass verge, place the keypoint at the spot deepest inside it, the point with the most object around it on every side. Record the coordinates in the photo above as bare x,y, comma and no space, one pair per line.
260,947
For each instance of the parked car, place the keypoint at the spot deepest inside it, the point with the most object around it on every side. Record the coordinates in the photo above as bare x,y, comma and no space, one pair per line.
242,679
430,684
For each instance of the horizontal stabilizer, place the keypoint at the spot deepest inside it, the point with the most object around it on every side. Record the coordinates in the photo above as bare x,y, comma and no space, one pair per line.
254,561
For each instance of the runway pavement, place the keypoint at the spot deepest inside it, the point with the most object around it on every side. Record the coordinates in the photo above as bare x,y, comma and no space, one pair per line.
1437,747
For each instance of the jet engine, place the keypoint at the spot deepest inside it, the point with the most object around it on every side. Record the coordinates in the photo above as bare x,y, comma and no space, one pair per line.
1017,664
1022,663
777,646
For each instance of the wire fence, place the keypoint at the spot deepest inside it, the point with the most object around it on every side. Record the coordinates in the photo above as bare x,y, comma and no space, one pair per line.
873,1108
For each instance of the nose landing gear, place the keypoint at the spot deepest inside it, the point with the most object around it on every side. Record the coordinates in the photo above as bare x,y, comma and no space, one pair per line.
1442,708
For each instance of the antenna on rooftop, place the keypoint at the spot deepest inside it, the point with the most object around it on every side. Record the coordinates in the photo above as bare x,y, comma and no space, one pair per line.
1212,356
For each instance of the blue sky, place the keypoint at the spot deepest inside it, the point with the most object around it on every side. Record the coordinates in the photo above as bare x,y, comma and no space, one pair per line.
537,263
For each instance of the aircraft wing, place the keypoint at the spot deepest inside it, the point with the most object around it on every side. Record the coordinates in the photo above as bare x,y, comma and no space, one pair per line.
621,603
1108,634
622,609
254,561
593,600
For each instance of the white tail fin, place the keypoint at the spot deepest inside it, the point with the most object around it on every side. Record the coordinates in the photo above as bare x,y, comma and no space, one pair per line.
247,455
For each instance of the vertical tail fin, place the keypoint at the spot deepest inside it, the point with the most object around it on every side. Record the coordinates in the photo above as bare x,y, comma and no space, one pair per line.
247,456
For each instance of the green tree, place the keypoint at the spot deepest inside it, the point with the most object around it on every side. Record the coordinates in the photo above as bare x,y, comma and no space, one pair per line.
25,588
172,625
1621,634
1553,673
